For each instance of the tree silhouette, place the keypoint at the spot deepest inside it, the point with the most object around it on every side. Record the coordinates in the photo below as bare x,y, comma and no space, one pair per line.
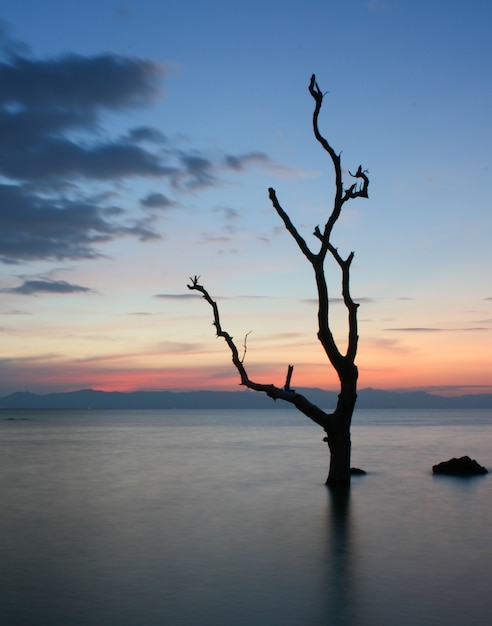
336,424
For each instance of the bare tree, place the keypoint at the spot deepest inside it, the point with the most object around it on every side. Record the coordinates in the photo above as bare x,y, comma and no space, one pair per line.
336,424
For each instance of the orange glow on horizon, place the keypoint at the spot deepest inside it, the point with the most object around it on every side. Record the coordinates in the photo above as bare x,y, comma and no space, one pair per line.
72,377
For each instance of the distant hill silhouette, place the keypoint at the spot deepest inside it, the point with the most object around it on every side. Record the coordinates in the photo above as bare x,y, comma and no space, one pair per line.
368,399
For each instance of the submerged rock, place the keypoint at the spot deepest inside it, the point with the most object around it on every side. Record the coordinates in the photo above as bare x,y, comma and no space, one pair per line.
356,471
463,466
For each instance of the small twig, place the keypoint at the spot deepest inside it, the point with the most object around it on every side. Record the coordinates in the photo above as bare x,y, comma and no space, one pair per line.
244,345
290,369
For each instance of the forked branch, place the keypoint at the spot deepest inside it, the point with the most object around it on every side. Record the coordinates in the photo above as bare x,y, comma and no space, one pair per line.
358,189
298,400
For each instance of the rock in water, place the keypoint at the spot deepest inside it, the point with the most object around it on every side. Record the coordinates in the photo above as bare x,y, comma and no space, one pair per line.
356,471
459,467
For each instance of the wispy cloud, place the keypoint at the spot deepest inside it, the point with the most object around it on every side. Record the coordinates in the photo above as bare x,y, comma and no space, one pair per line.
175,296
34,287
382,343
181,296
228,213
314,301
15,312
241,161
424,329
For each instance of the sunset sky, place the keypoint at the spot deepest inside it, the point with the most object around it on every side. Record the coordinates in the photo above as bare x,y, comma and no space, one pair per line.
138,140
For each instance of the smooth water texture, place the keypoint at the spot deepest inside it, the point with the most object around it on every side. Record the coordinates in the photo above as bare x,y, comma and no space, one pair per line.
222,518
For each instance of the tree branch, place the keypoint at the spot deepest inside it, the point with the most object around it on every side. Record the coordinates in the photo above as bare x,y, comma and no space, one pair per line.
354,191
290,369
290,226
289,395
349,303
357,192
245,346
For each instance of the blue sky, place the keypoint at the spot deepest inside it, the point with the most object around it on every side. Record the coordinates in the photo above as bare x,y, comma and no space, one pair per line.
139,141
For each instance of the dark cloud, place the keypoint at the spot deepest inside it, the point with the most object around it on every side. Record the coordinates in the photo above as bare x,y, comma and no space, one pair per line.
146,134
54,149
59,158
50,124
80,83
157,201
197,172
33,287
239,162
39,227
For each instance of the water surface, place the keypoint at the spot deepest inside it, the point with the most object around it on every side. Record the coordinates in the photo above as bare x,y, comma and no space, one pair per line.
222,517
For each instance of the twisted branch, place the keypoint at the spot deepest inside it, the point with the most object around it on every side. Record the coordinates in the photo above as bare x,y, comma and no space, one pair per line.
289,395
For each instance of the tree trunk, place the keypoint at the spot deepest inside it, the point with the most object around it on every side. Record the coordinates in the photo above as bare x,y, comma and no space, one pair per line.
340,447
338,432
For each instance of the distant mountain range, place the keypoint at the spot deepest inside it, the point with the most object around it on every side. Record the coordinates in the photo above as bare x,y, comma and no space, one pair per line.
367,399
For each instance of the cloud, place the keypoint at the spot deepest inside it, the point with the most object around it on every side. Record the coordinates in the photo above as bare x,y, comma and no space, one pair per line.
175,296
50,123
8,46
146,134
55,152
381,343
363,300
195,294
416,329
33,287
197,172
78,83
239,162
228,213
157,201
52,227
423,329
15,312
215,239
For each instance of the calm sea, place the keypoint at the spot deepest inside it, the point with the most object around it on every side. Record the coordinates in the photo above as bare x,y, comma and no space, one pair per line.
221,518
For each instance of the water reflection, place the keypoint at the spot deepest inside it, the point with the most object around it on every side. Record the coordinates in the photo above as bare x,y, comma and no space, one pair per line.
339,558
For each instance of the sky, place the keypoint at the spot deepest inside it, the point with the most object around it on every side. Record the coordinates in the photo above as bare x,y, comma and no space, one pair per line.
139,139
